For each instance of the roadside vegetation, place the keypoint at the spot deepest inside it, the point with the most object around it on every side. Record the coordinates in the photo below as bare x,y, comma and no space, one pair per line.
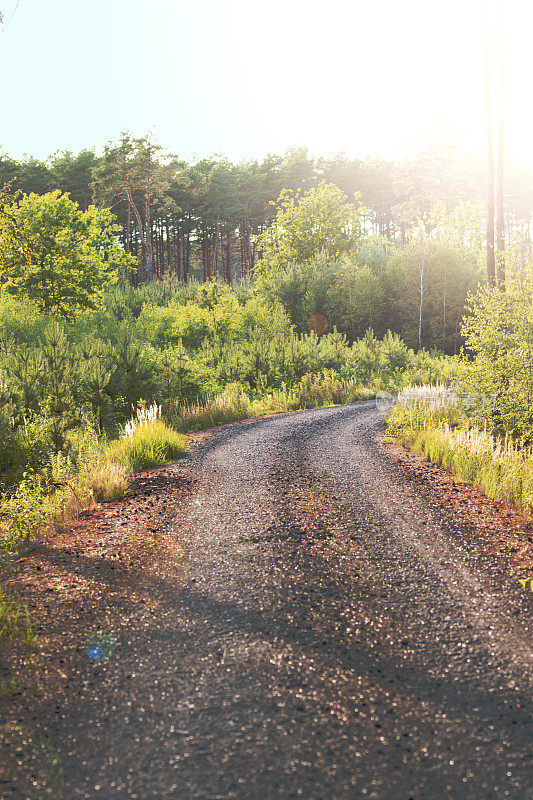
480,426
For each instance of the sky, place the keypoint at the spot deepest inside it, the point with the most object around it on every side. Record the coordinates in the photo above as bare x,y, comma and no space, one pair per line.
245,78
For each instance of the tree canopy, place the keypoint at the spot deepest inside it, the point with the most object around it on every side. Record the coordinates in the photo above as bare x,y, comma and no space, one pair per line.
204,218
56,254
320,220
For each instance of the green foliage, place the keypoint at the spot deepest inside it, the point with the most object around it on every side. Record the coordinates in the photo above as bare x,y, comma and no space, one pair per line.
229,406
499,340
318,221
354,296
103,481
57,255
327,388
208,355
24,512
501,468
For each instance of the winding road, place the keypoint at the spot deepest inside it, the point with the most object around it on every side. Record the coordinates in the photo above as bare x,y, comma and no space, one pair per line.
336,638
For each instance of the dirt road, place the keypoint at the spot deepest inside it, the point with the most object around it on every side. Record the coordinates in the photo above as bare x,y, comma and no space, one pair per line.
337,636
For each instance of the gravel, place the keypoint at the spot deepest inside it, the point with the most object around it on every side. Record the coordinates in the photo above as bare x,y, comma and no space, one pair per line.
338,636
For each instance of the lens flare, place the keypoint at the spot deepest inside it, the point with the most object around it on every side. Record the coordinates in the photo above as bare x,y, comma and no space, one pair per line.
385,401
318,324
100,645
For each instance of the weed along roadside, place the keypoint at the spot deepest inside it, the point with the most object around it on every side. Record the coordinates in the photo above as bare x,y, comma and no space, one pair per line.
488,478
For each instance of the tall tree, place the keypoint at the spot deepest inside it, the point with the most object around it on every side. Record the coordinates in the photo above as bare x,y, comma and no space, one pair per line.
73,174
500,221
131,172
491,268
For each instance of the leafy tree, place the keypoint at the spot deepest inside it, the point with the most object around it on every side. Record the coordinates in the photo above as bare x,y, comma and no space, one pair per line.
498,331
319,221
56,254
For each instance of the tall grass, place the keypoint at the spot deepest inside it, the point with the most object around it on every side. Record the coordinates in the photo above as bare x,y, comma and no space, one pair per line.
502,468
64,488
101,473
230,406
147,441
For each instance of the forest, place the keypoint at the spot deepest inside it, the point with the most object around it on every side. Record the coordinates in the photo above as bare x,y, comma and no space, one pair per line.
131,276
206,220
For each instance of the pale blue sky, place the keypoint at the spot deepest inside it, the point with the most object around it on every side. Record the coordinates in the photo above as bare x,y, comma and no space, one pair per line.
248,78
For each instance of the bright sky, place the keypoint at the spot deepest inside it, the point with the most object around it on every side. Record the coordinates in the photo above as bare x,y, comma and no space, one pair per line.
245,78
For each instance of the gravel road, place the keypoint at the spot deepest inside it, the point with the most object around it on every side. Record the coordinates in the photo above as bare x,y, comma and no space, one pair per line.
335,638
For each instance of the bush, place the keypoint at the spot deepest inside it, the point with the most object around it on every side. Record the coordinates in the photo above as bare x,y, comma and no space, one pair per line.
499,339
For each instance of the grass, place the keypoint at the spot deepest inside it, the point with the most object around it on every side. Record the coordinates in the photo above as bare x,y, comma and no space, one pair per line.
40,501
231,406
105,481
500,467
146,442
313,391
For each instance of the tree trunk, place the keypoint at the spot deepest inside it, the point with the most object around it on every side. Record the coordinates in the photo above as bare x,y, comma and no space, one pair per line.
148,228
214,270
127,242
421,271
179,254
127,238
205,257
169,252
251,250
229,274
187,257
491,264
141,233
500,222
223,258
243,254
154,237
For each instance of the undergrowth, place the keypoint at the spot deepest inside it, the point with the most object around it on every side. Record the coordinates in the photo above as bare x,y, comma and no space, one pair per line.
147,441
500,466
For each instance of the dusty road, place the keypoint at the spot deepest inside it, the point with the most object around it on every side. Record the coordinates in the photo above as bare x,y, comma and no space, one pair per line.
335,638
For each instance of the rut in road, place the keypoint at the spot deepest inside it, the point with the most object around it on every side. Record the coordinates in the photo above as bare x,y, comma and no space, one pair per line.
337,638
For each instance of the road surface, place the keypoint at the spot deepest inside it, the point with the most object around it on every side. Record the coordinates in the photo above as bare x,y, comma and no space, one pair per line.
335,638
